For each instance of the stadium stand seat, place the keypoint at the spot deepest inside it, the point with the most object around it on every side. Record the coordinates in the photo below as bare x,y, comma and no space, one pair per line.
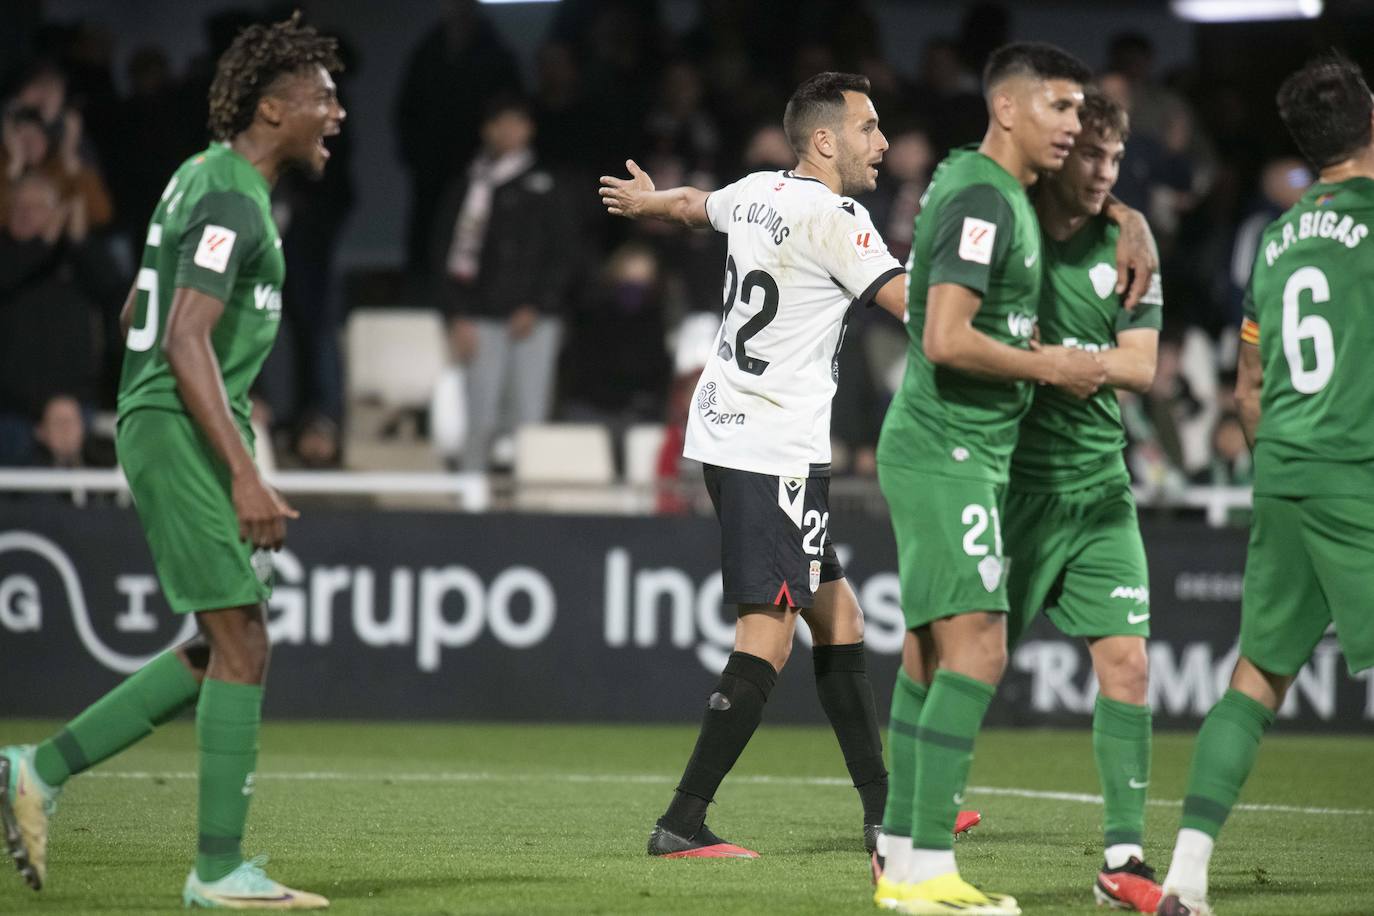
393,358
643,443
566,467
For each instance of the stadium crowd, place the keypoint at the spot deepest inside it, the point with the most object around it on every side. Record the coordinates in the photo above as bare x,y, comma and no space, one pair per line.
555,312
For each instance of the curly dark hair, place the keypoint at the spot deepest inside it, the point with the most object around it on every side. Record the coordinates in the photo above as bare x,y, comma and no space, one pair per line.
260,54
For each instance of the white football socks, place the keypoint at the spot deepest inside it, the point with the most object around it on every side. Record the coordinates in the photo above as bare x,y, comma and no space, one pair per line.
1188,868
896,853
931,863
1119,854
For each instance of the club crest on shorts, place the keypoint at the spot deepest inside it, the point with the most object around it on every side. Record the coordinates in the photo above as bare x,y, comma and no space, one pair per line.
990,568
815,579
261,561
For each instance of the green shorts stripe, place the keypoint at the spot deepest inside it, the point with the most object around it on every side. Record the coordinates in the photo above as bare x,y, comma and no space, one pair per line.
182,492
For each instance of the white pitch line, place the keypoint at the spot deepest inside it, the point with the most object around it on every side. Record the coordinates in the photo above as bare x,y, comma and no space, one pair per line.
460,776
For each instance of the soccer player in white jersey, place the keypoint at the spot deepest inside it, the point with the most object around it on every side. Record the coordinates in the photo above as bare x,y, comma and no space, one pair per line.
802,252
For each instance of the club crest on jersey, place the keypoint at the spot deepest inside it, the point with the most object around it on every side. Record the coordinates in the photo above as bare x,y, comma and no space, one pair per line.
216,242
868,244
1103,276
814,580
990,570
975,241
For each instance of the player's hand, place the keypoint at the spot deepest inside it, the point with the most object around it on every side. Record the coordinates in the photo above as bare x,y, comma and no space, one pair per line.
624,197
1137,258
1075,371
261,510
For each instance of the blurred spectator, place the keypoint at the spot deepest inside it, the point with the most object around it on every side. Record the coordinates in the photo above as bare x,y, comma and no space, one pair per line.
615,366
41,132
500,264
456,69
902,179
1283,182
566,117
153,142
948,96
678,127
50,329
768,148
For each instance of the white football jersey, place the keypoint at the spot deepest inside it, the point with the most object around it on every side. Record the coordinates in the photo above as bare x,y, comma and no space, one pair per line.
799,256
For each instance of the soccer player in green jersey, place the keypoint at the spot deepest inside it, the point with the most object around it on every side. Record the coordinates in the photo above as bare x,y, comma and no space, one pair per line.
198,325
1069,520
1305,396
973,287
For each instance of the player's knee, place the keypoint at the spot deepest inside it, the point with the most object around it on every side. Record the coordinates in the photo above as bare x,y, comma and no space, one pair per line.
1123,673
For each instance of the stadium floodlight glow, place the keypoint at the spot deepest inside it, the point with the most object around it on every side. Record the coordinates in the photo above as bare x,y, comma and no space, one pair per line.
1245,10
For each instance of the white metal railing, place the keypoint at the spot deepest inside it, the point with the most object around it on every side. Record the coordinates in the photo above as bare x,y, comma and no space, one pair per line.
472,491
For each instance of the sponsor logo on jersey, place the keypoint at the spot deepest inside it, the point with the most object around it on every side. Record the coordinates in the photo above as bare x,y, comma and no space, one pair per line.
1032,258
791,497
1103,276
706,403
1023,326
1137,593
990,570
216,243
975,241
868,244
267,297
848,207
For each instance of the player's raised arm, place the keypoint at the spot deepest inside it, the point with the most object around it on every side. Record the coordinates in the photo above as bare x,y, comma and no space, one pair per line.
636,198
1137,255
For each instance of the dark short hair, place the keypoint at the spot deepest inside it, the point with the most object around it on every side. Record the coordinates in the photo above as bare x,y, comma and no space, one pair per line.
257,56
506,102
1102,115
1036,59
818,101
1326,106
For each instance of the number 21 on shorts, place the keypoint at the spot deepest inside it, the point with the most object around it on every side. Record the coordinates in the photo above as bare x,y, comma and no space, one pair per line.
977,520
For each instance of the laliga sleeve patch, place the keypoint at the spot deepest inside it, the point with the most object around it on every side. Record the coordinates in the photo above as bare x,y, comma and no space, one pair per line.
868,244
215,245
975,241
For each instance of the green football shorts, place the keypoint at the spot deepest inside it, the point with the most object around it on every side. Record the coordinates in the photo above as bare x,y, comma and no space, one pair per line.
181,490
949,543
1308,566
1078,555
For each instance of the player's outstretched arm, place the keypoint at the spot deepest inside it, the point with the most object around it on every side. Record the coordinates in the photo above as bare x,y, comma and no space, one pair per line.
186,342
1137,256
1131,363
1249,378
949,339
891,297
636,198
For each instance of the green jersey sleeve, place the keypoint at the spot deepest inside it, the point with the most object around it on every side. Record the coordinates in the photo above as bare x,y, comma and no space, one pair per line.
224,231
972,236
1148,313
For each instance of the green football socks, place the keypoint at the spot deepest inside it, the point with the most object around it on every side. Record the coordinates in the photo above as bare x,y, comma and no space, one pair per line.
907,699
950,718
228,718
1225,753
1121,746
146,699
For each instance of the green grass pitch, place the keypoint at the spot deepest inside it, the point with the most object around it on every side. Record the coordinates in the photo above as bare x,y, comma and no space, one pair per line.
434,819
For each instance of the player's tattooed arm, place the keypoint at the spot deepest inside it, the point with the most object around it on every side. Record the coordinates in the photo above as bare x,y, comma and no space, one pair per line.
261,511
949,339
1131,363
1137,256
1249,376
636,198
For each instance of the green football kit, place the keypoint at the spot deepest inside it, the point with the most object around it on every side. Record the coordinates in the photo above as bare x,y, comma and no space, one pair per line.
212,231
948,436
1070,519
1310,310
